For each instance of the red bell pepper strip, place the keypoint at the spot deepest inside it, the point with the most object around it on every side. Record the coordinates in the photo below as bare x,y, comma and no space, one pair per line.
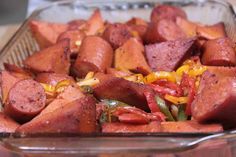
170,85
188,83
133,118
150,97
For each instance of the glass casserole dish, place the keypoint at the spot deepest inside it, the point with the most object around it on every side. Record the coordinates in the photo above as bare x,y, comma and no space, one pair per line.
23,44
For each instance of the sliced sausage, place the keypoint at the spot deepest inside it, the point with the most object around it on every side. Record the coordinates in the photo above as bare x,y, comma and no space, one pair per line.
130,128
75,37
52,59
216,101
46,33
52,78
7,82
188,27
95,23
117,34
219,52
137,62
117,73
166,12
167,56
68,95
78,24
163,30
78,116
7,124
212,31
120,89
95,55
25,100
138,25
189,126
221,71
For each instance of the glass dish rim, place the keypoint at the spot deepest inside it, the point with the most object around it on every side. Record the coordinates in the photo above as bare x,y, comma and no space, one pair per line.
37,11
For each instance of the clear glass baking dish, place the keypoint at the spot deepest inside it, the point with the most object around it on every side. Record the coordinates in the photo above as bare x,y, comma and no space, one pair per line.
22,44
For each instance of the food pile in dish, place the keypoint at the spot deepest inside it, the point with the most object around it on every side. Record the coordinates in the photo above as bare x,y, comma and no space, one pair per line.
168,74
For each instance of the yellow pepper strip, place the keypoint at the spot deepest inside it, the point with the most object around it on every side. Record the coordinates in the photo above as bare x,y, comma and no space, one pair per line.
154,76
135,78
176,100
89,75
197,70
182,69
134,33
62,85
49,89
88,82
78,43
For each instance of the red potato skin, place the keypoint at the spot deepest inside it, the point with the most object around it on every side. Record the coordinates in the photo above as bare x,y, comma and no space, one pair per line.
163,30
95,55
25,100
52,78
7,125
120,89
219,52
167,56
78,116
215,100
75,36
54,59
46,33
117,34
166,12
189,127
130,128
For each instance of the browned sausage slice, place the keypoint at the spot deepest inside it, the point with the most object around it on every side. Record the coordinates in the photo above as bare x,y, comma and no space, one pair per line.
221,71
212,31
167,12
163,30
219,52
95,55
26,99
7,82
68,95
130,128
95,23
130,57
75,37
78,24
117,73
78,116
117,34
167,56
216,101
46,33
7,124
52,78
52,59
189,126
188,27
120,89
